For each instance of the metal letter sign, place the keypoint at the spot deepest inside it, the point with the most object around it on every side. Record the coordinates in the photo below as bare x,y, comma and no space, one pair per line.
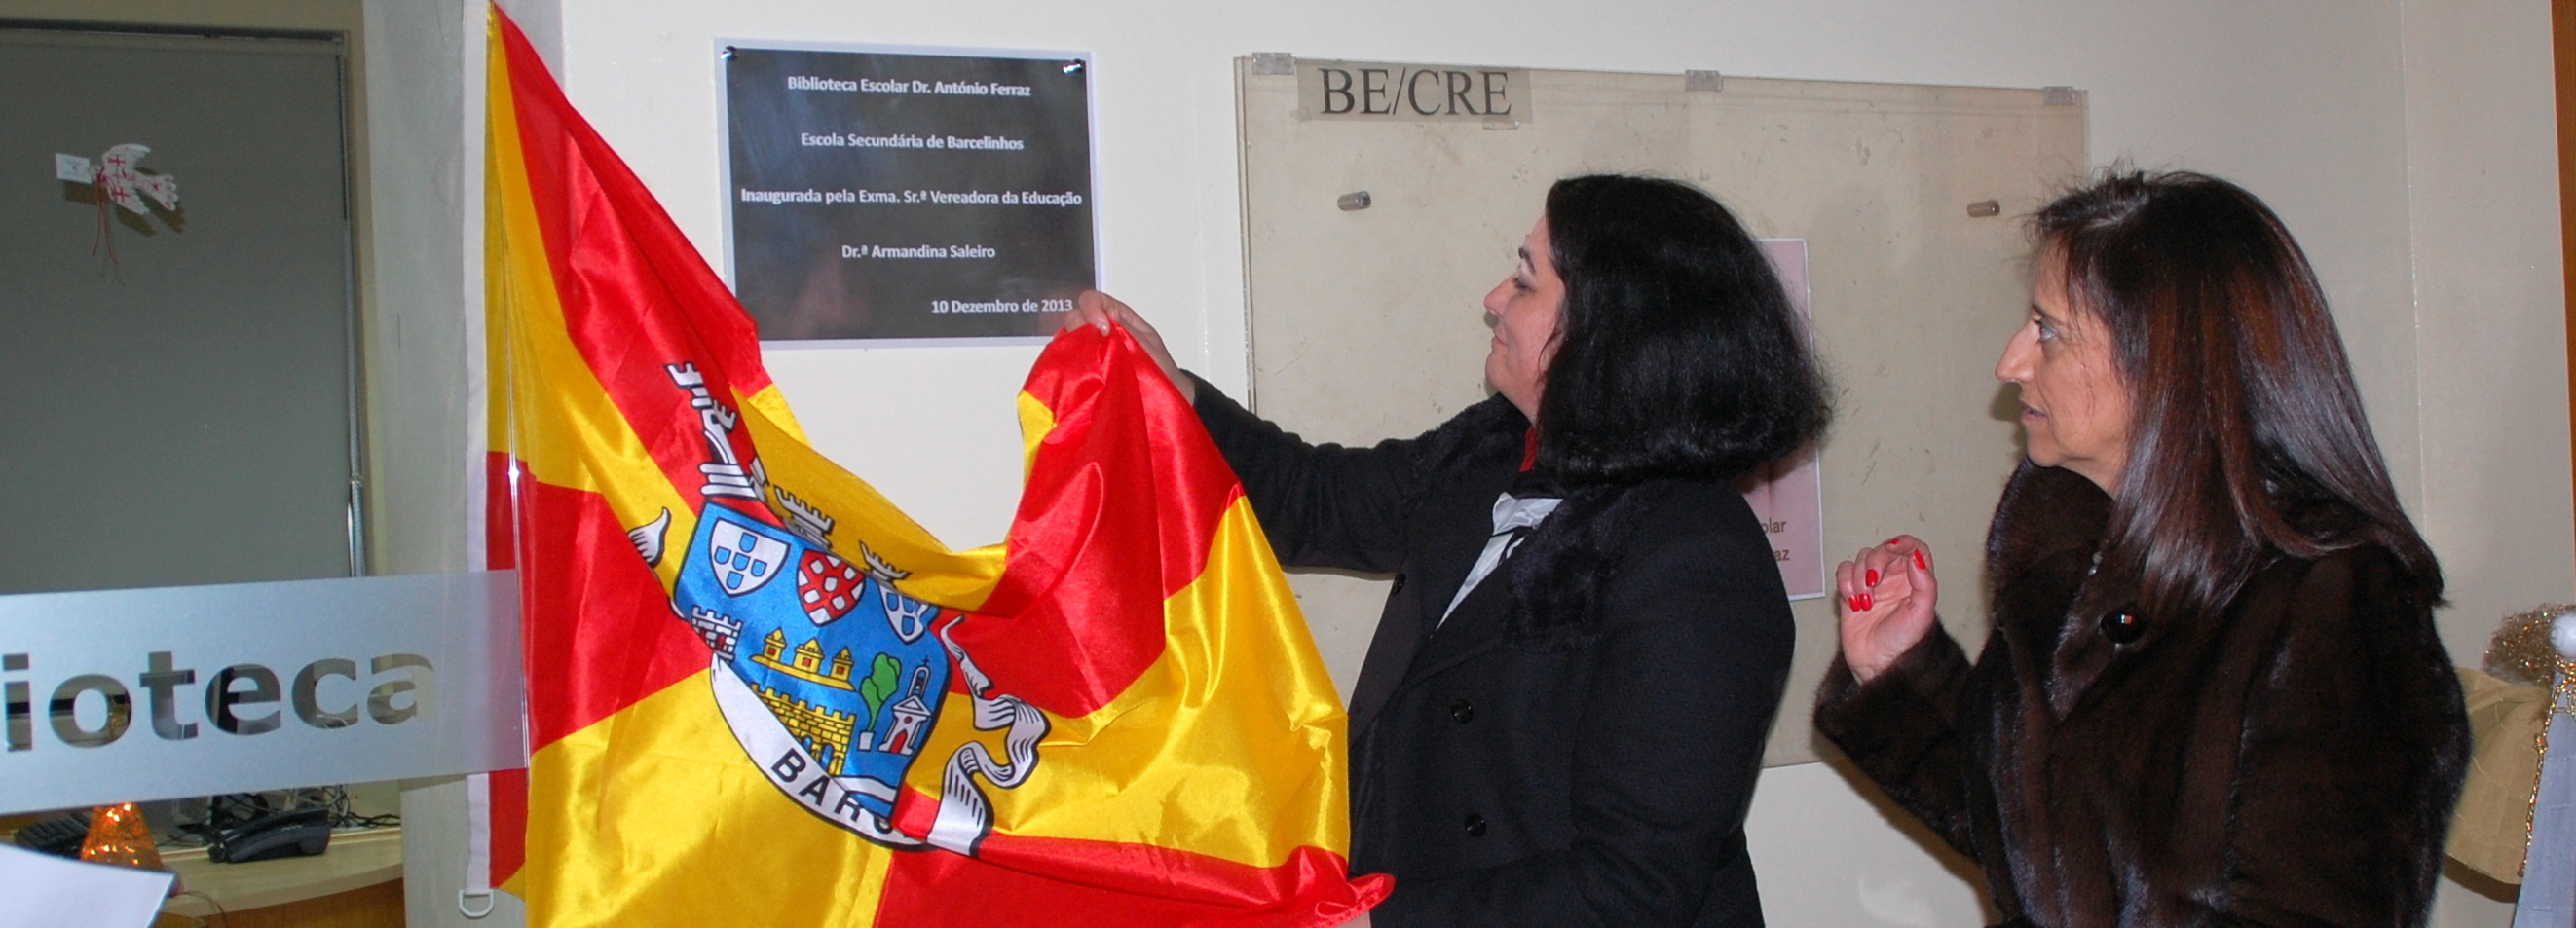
907,193
129,695
1411,92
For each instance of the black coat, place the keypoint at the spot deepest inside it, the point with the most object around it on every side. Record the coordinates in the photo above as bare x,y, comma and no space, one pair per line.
2293,762
1596,779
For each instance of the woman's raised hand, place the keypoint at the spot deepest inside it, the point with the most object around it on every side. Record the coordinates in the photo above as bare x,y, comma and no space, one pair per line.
1887,596
1096,309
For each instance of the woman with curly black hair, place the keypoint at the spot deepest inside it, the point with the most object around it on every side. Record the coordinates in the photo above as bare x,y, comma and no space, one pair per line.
1563,710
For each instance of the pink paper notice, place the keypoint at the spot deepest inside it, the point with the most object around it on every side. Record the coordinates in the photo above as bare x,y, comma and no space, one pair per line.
1790,498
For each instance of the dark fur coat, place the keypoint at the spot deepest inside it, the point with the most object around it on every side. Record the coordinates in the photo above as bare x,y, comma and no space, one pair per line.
2294,762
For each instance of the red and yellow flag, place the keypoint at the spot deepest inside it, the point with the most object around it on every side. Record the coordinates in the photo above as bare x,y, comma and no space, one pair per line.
758,693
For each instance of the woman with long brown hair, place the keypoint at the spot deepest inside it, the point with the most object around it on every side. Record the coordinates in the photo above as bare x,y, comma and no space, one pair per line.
2213,693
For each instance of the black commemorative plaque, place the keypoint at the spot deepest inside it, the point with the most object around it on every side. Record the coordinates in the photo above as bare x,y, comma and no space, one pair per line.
892,194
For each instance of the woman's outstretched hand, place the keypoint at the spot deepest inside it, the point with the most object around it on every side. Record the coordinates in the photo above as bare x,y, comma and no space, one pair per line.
1096,309
1887,597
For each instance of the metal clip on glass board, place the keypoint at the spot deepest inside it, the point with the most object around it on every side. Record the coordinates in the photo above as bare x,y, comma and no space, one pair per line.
1353,201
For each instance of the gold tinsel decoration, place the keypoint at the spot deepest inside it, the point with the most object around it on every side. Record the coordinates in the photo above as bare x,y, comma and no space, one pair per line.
117,835
2520,652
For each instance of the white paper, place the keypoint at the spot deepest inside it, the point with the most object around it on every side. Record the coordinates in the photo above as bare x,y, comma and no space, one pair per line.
73,168
44,891
1790,500
2548,898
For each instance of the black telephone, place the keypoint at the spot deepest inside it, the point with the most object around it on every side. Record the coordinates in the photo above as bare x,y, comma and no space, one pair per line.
294,833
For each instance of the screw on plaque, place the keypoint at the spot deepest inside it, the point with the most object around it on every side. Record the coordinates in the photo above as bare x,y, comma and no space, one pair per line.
1353,201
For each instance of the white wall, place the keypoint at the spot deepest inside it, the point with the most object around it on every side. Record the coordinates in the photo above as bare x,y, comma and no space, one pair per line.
2407,145
1827,854
2303,102
2490,328
2482,170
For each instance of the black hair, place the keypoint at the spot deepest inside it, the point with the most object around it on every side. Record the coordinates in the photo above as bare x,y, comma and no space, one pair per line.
1678,354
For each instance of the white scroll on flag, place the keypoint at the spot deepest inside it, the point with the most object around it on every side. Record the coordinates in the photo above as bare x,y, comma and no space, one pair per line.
2549,873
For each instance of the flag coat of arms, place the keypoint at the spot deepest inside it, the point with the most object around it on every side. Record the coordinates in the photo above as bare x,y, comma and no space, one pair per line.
759,694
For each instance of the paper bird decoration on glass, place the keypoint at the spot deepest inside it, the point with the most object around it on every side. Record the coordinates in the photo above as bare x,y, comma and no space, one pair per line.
117,180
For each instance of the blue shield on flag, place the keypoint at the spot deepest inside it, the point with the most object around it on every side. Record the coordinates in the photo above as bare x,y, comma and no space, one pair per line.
742,560
838,657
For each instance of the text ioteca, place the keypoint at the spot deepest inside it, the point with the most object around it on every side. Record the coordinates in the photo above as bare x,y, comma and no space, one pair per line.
237,700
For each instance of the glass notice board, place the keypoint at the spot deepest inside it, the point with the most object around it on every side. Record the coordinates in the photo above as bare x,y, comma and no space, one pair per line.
1365,318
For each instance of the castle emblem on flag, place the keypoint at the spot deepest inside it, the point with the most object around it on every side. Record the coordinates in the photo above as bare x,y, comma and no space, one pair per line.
836,712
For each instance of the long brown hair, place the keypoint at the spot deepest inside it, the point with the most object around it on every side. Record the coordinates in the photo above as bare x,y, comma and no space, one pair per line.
2247,434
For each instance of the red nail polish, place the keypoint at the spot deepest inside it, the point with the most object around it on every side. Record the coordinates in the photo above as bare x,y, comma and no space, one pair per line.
1870,578
1920,562
1866,602
1893,542
1854,603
